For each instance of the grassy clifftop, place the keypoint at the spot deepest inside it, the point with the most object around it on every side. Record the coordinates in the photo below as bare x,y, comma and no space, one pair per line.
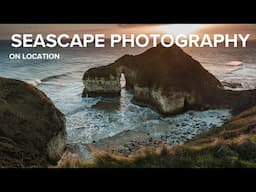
232,145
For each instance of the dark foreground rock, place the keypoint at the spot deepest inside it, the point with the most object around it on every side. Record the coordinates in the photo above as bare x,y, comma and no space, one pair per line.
168,80
32,129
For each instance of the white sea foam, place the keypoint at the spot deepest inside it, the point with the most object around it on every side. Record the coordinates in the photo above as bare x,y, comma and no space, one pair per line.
234,63
34,82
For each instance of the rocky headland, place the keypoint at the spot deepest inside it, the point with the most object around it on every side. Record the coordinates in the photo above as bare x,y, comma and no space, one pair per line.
32,129
167,80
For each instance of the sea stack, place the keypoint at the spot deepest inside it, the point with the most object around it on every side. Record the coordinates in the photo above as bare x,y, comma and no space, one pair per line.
32,129
167,80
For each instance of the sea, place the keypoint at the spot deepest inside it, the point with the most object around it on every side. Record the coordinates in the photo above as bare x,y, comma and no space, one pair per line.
90,120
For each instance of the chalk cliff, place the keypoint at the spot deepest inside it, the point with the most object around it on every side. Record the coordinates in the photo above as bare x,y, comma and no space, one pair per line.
165,79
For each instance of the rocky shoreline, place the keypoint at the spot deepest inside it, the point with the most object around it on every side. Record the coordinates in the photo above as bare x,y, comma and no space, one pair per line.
128,142
120,145
232,145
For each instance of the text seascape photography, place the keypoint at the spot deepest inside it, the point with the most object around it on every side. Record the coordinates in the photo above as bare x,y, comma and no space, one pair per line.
132,40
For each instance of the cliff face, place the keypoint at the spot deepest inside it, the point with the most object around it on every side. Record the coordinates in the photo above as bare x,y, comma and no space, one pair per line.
32,129
166,79
101,81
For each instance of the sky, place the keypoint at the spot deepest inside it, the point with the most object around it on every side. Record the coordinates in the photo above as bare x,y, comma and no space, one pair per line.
6,30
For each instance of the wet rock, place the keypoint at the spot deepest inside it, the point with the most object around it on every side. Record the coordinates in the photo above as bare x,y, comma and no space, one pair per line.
110,105
183,124
232,85
121,142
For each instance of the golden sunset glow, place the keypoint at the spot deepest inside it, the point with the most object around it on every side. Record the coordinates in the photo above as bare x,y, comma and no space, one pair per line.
107,29
176,29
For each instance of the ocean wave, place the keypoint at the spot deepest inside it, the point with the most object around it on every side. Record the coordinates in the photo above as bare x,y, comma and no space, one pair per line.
56,76
87,103
233,69
49,78
34,82
76,110
234,63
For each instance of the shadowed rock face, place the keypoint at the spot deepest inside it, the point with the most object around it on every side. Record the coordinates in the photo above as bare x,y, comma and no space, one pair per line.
32,129
166,79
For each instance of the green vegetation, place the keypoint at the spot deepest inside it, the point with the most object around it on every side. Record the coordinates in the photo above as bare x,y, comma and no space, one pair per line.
220,156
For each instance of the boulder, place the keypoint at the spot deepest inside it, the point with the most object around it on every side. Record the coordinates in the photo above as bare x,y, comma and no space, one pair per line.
32,129
167,80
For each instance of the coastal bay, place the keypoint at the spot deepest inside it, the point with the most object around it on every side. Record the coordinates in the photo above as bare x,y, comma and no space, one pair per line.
93,122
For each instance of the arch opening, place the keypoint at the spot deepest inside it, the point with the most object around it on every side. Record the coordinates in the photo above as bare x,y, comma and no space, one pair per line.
122,81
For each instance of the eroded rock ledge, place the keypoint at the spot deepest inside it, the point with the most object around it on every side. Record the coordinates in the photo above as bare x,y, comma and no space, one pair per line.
32,129
168,80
